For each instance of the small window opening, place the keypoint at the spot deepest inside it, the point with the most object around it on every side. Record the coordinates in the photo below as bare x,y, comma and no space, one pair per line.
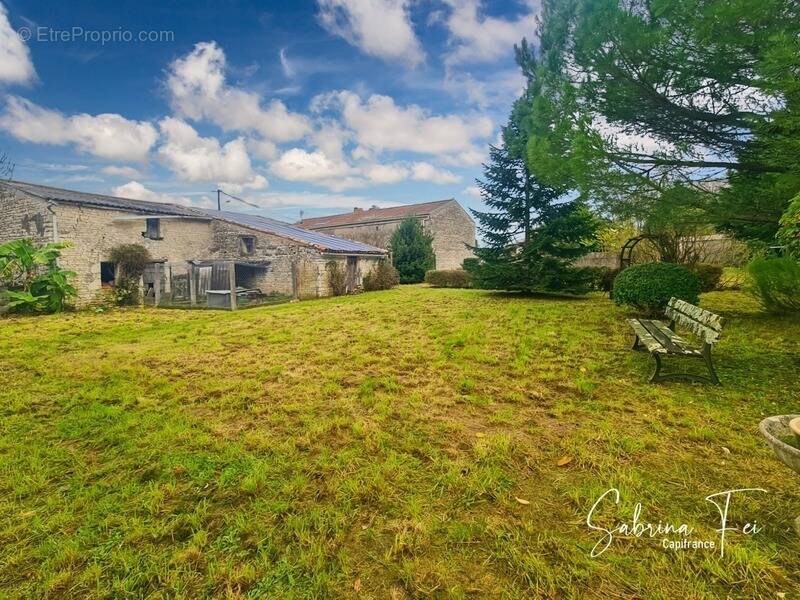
248,244
153,231
108,273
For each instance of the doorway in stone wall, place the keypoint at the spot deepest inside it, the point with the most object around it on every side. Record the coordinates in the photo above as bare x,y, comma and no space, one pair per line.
351,275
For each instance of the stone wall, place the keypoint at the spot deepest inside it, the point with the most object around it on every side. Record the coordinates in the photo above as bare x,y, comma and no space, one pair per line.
94,232
452,230
282,255
609,260
375,234
23,217
293,268
451,227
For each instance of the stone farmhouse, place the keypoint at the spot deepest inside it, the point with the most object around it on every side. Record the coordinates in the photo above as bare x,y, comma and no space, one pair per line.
266,254
451,226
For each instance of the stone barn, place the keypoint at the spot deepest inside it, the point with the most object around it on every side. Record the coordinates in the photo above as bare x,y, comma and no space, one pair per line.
452,228
272,256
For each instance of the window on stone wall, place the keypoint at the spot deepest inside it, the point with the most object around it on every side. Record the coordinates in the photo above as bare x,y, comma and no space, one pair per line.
153,231
247,244
107,273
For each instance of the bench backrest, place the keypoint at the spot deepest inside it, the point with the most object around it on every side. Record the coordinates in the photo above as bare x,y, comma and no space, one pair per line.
704,324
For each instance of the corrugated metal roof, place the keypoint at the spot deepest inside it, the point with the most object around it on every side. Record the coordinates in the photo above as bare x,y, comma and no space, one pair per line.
320,241
359,216
101,201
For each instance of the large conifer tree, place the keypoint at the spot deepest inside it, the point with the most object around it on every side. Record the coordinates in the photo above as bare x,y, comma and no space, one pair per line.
533,232
412,251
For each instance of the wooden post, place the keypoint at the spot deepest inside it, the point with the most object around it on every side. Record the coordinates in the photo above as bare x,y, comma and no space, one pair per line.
232,283
295,277
157,283
192,286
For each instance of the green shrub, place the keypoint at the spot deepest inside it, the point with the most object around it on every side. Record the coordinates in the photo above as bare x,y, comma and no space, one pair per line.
412,250
470,264
775,282
602,278
649,286
337,277
130,260
709,276
455,278
383,277
31,280
789,232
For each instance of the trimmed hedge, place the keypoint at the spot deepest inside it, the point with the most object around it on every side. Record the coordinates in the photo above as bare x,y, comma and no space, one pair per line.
648,287
456,278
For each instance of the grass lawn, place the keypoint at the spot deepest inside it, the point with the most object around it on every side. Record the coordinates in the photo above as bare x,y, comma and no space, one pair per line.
378,446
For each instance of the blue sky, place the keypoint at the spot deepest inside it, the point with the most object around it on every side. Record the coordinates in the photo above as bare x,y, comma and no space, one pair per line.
295,106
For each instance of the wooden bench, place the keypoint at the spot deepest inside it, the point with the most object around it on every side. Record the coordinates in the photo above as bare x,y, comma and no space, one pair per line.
660,339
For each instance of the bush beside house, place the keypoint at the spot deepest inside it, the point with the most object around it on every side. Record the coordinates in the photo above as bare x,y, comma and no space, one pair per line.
31,280
383,277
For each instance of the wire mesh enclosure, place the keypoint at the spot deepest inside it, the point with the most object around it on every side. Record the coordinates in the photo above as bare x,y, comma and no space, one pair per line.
209,284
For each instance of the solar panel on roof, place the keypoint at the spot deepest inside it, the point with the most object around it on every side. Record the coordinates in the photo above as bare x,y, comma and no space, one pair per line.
323,241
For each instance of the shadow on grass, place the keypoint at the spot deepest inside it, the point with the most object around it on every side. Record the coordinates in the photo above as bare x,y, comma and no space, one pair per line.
510,294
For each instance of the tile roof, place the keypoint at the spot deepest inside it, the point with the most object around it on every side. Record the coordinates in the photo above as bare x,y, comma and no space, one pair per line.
101,201
360,216
320,241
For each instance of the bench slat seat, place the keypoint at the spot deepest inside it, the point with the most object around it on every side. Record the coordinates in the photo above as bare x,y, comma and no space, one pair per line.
660,339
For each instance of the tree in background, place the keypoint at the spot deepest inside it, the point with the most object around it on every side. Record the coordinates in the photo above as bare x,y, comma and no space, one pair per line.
639,98
533,232
789,233
412,251
532,235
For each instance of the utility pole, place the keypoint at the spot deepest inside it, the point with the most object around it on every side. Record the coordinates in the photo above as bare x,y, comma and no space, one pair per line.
219,202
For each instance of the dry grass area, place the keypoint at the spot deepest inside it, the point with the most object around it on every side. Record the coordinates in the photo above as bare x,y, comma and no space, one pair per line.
379,446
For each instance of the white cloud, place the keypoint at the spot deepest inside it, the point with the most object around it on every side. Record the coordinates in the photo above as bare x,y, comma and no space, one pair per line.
480,38
379,125
198,90
137,191
422,171
263,149
288,69
107,135
380,28
386,173
318,168
195,158
493,89
117,171
333,202
473,190
15,58
259,182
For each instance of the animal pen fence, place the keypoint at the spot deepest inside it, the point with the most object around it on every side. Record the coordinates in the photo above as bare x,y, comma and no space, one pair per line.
209,284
